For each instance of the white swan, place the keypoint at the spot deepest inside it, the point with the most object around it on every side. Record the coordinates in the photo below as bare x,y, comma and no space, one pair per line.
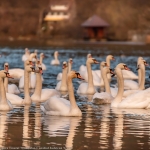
83,67
104,97
88,88
26,55
141,85
55,61
133,85
41,95
136,100
10,88
129,84
32,80
70,62
4,103
131,75
108,59
15,99
62,85
60,106
97,80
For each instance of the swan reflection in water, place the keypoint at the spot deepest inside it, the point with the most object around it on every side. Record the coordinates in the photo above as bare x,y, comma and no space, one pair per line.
118,133
38,124
88,122
27,127
26,134
57,126
3,127
104,127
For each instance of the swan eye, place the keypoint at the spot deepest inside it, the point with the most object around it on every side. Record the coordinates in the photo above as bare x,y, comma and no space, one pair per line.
105,64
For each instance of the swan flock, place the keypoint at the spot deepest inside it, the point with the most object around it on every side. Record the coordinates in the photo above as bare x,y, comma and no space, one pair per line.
61,101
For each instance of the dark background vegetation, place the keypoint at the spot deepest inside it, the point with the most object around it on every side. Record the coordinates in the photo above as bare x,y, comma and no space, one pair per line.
20,18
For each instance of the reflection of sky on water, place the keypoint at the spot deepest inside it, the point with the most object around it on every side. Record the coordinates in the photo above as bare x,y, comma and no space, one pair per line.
100,127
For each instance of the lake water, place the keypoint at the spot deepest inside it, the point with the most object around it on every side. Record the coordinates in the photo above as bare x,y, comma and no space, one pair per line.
100,127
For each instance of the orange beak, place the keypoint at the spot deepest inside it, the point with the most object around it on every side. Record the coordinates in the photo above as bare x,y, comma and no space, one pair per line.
126,68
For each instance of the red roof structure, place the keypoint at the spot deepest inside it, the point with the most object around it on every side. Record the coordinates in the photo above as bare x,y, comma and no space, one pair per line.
95,21
94,28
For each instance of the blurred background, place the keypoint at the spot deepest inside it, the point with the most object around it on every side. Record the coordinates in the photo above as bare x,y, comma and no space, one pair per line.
74,20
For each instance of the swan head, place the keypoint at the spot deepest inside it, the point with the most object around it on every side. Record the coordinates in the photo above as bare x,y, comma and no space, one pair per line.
38,62
140,58
36,51
73,74
38,68
145,63
108,70
33,56
89,56
28,62
56,54
103,64
42,55
4,74
122,66
92,61
6,67
29,68
65,65
141,63
110,57
70,61
27,51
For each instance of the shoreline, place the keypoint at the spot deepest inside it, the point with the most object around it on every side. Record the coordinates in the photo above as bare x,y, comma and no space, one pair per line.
123,47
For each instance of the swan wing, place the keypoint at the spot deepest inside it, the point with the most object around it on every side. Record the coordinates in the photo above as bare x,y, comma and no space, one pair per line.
47,93
58,86
140,99
114,91
129,75
82,68
56,106
43,66
59,76
14,99
13,89
82,88
130,84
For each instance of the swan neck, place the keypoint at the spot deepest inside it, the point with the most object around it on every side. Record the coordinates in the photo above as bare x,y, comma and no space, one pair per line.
90,77
105,79
142,80
2,91
69,67
26,85
56,57
64,79
120,82
38,86
71,93
6,84
41,59
108,61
